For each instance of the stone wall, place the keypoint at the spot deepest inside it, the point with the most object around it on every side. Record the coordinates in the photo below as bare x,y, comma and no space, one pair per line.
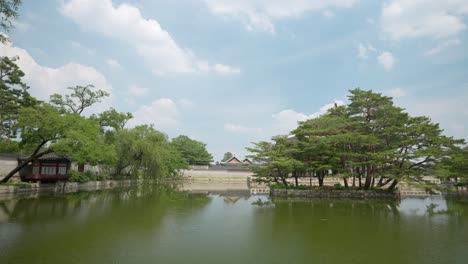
7,164
219,174
331,194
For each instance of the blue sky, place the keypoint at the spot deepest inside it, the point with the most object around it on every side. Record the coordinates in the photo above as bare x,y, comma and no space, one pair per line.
231,72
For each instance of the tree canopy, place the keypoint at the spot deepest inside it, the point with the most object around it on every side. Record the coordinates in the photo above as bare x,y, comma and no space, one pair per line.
194,152
227,156
369,139
8,12
13,96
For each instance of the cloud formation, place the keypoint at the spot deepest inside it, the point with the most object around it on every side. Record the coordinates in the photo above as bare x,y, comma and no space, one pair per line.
387,60
44,81
161,113
259,15
286,120
126,23
364,50
403,19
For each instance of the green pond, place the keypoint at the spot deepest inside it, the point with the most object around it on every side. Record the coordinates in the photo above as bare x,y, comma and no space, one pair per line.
166,226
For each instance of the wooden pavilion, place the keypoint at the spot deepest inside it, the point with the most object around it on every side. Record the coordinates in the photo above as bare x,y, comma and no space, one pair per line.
48,168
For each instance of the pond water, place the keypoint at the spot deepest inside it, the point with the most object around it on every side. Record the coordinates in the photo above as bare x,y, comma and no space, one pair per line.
166,226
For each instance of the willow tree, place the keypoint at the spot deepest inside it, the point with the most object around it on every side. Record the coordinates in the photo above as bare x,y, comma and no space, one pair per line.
145,153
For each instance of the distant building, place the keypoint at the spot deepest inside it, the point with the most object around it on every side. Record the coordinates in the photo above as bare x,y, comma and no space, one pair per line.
235,160
47,168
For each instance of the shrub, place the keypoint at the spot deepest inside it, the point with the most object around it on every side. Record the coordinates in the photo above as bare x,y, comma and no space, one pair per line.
338,186
86,176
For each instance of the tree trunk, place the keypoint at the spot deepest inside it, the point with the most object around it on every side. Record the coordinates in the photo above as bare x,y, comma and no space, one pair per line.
393,185
380,181
354,180
320,176
345,181
31,158
295,178
285,183
369,177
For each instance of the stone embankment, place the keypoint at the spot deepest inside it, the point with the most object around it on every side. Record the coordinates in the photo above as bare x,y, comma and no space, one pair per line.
332,194
63,187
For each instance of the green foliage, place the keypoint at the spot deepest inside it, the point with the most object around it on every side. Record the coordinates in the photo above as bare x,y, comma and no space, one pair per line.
8,12
13,96
227,156
194,152
338,186
9,146
81,97
113,119
143,152
87,176
369,139
455,166
276,160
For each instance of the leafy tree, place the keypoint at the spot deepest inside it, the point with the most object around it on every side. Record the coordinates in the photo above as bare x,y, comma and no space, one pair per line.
370,139
44,128
113,119
8,12
227,156
275,159
194,152
454,166
81,97
13,95
143,152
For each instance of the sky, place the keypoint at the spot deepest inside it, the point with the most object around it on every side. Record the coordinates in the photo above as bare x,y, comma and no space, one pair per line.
229,73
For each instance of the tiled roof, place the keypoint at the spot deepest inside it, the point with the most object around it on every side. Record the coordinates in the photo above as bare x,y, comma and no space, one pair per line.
49,156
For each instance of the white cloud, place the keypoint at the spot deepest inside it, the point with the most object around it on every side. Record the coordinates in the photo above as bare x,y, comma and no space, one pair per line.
443,46
403,19
396,92
260,14
225,69
240,129
287,120
113,64
137,90
45,81
162,113
126,23
364,50
387,60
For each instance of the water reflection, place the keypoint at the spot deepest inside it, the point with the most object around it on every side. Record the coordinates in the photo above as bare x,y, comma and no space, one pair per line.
228,225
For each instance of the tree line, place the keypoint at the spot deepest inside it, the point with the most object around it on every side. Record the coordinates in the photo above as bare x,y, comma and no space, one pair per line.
367,143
